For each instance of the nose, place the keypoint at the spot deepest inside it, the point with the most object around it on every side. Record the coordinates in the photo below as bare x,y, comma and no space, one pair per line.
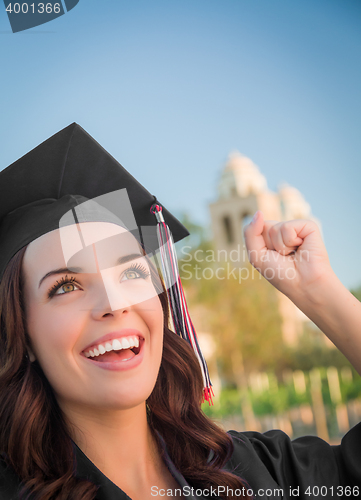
103,303
102,309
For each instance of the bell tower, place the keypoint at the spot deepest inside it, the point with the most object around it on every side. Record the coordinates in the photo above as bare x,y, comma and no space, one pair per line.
242,190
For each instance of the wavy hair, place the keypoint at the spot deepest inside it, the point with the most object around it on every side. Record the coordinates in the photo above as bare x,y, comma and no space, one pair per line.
32,424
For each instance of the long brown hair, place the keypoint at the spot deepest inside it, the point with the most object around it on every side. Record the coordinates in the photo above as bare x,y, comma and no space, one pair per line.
35,439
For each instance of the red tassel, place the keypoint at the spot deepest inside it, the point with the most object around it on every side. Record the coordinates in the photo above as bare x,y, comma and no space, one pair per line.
180,315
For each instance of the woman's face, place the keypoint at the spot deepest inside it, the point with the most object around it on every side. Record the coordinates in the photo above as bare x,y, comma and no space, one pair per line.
72,316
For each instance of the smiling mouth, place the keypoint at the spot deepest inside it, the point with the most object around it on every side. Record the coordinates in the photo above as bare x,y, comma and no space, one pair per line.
115,354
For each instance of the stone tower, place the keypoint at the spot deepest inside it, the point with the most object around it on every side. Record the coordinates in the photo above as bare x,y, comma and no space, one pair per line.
242,190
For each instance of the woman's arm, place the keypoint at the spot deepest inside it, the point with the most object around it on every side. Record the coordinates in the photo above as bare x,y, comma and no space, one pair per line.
291,255
337,313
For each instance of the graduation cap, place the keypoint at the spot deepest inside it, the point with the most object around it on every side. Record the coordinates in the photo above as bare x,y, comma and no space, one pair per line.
69,179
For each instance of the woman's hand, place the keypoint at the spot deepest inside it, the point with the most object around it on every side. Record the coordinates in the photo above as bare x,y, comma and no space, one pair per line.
290,255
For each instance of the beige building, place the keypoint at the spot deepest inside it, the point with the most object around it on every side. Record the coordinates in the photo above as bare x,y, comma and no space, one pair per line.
242,190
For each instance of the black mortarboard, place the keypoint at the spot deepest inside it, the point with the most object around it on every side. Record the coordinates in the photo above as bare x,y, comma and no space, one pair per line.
70,178
57,175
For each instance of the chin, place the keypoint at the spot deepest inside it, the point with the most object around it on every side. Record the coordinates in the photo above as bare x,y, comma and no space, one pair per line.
126,399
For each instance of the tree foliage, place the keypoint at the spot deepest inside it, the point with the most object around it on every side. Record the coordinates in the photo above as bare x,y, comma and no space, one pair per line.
241,312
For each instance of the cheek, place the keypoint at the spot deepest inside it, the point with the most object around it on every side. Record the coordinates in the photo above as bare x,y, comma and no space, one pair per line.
51,332
153,315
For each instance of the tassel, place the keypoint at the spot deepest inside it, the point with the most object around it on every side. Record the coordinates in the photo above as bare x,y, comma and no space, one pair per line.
181,319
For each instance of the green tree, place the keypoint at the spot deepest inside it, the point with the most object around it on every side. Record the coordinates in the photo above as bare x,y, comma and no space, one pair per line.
241,313
243,316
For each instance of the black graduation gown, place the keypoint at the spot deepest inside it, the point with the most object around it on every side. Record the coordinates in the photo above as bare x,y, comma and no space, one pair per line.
273,466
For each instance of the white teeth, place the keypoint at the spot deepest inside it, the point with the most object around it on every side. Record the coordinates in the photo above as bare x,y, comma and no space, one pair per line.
101,349
136,341
115,345
125,343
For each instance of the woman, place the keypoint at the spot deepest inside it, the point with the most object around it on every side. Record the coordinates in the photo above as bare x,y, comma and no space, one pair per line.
98,398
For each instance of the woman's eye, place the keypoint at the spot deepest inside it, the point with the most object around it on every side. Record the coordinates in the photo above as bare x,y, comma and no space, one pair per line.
131,275
68,287
65,285
135,272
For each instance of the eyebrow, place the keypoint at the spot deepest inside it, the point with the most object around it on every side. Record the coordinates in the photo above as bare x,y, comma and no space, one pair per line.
77,270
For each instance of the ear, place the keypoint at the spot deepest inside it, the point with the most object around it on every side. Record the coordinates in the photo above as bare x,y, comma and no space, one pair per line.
31,355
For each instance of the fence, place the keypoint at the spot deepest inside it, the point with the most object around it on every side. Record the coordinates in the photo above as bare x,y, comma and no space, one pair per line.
324,402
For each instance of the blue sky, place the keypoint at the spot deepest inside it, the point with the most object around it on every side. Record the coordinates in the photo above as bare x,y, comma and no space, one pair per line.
171,87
